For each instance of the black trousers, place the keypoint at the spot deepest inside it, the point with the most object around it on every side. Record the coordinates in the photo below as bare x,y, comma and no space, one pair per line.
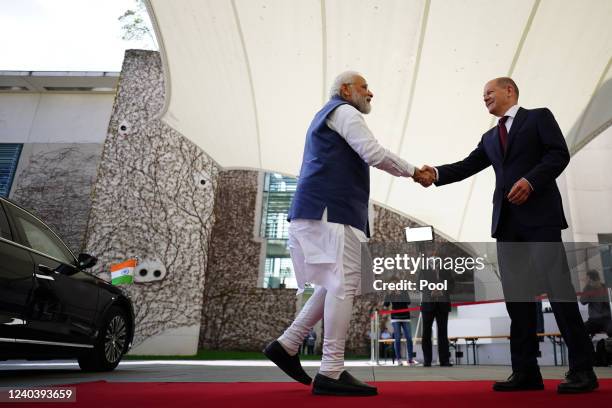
441,316
523,314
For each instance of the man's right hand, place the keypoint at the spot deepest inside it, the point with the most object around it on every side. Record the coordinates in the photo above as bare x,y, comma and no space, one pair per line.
425,176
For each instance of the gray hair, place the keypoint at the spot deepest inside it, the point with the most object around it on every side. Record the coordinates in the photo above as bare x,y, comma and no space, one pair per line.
346,77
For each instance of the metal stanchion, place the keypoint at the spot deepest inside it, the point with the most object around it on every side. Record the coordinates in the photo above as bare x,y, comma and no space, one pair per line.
372,340
375,336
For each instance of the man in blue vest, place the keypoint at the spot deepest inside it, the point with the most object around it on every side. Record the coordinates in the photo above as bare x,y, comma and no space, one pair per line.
528,152
329,221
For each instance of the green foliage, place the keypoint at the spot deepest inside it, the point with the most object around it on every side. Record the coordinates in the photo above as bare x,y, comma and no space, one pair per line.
136,25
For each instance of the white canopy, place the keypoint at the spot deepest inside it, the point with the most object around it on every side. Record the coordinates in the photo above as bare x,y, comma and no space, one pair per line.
245,77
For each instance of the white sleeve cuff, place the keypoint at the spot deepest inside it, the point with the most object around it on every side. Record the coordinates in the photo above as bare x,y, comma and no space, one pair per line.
395,165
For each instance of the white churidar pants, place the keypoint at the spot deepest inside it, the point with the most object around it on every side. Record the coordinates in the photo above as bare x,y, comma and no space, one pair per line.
329,256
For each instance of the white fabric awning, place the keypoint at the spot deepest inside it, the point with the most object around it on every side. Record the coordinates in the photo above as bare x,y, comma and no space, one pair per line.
245,77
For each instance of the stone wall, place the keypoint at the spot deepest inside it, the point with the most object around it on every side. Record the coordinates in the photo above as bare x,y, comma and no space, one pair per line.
237,315
54,181
153,199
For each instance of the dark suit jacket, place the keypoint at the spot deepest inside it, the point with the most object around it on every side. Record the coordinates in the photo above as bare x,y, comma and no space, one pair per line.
536,151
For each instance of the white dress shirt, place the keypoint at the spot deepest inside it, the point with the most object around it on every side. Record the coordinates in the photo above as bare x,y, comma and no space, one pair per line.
349,123
510,113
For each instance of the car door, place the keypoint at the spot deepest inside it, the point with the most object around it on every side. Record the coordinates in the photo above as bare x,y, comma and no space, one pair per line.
62,307
16,283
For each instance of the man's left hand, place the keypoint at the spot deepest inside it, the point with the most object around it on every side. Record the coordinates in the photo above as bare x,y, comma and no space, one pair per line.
520,192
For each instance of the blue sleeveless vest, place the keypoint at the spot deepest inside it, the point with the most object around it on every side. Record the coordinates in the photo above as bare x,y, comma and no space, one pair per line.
332,176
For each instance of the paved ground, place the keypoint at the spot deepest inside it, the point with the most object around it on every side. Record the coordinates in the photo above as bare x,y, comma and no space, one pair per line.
23,374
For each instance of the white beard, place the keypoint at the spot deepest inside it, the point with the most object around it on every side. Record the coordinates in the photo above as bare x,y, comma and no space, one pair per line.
361,103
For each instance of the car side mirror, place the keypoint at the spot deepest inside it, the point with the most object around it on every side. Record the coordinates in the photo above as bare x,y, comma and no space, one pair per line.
87,261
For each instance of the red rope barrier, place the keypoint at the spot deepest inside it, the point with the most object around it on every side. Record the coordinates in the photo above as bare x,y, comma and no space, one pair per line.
481,302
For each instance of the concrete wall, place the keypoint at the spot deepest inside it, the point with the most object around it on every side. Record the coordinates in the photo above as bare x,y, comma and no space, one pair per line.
62,136
589,187
54,117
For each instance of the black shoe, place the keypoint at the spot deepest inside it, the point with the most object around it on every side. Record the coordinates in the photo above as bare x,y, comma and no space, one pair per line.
426,364
578,381
447,364
289,364
346,385
521,381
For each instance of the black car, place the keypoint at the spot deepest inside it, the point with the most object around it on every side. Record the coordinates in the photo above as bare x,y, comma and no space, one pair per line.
49,306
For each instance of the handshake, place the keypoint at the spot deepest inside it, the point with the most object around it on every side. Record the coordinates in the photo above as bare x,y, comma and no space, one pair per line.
425,176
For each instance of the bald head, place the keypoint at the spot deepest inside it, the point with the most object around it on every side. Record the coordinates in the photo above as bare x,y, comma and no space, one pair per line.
504,82
500,94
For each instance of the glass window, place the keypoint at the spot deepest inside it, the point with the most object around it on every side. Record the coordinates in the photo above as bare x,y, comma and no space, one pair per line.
9,157
277,194
279,273
39,237
278,191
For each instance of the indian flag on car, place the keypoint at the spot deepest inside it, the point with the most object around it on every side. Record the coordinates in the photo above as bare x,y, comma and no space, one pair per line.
123,273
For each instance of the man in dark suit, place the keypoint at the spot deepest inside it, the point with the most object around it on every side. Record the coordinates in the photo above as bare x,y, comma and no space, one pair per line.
528,152
436,305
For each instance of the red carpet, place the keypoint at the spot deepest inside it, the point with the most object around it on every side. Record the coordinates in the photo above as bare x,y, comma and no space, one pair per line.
455,394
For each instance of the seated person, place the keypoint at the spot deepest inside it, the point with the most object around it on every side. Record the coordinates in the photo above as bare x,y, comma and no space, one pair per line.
385,349
384,334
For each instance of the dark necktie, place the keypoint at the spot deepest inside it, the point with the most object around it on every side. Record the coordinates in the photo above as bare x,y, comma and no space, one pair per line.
503,132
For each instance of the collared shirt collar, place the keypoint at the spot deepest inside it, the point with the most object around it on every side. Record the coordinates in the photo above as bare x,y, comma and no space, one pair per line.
512,111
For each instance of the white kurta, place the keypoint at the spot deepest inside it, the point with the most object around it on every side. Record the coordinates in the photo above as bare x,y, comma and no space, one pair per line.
317,250
317,246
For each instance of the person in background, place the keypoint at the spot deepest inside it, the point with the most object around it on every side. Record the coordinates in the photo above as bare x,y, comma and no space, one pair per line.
385,348
436,306
401,321
384,334
311,340
595,295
